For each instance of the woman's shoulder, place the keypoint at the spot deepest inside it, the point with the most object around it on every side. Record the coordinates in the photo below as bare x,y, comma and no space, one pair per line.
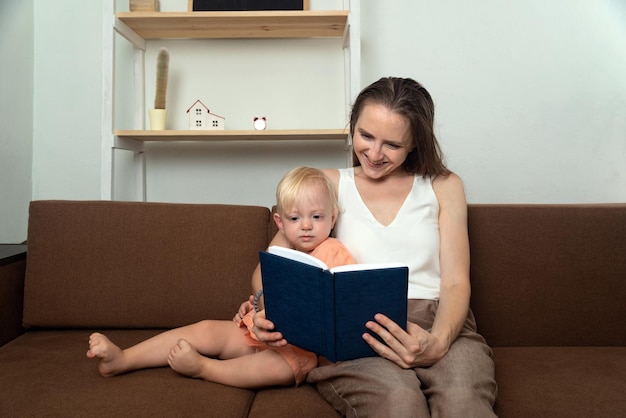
448,181
333,174
449,190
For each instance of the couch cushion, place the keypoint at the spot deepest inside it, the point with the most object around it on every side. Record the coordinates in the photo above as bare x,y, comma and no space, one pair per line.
568,382
291,402
46,373
549,274
139,265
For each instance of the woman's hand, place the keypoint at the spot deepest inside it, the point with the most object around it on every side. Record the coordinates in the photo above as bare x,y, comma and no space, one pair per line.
263,331
245,307
412,348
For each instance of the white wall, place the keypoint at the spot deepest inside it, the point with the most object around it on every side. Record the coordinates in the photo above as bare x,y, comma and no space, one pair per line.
67,99
16,109
530,96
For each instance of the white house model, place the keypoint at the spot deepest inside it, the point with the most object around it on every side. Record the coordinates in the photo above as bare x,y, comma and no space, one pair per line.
201,118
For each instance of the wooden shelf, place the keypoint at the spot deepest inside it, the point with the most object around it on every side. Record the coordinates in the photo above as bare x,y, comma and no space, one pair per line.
215,25
233,135
139,28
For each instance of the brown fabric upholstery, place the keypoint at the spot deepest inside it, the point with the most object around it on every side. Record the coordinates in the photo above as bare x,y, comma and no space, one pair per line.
548,285
549,274
561,382
49,375
296,402
124,265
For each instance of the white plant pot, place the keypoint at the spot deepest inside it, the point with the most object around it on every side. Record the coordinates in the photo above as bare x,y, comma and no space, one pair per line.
157,119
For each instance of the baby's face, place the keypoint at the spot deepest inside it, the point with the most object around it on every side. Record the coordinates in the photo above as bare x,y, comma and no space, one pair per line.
308,222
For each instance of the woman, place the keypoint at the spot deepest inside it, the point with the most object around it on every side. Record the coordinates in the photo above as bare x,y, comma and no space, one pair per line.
400,203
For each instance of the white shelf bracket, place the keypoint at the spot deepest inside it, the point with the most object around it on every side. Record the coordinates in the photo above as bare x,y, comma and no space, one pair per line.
354,51
132,36
139,102
140,176
108,62
139,165
128,144
352,63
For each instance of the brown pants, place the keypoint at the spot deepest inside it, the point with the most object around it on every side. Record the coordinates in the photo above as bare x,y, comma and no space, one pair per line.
462,384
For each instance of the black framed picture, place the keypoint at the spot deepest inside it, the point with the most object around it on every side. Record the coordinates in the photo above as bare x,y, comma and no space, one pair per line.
243,5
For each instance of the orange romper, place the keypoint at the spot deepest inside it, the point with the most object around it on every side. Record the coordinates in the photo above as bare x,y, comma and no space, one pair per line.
333,254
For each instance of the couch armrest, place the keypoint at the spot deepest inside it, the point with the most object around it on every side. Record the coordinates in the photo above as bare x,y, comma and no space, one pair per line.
12,273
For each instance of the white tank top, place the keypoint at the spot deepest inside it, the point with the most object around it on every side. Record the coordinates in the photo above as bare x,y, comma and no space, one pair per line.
411,238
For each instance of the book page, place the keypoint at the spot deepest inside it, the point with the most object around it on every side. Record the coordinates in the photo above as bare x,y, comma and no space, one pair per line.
360,267
297,256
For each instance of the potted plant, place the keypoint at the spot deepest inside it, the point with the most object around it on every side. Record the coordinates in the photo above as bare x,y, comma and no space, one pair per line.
158,114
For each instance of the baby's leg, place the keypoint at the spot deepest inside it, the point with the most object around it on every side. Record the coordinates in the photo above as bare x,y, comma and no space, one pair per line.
209,337
265,368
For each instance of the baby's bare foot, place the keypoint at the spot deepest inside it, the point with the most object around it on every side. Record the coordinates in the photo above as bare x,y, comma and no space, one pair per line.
110,356
186,360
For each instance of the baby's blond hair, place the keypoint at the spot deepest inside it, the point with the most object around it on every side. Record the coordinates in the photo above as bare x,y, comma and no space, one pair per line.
296,180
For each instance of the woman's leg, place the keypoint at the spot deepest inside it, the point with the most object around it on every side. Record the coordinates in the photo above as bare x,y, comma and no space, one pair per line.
370,387
377,387
463,382
222,339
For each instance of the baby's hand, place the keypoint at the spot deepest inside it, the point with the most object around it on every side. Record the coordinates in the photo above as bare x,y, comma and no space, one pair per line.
263,329
245,307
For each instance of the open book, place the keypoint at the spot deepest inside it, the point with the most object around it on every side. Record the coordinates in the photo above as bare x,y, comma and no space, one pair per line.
325,311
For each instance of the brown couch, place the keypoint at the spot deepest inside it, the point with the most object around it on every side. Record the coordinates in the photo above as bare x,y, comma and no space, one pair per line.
549,294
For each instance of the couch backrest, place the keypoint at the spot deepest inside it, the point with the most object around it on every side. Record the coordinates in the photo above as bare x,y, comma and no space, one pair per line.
541,274
549,274
139,265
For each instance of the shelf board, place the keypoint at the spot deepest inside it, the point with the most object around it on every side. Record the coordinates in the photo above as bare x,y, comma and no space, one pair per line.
233,135
216,25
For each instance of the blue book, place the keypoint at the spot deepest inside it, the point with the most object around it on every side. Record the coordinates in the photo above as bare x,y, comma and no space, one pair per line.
325,310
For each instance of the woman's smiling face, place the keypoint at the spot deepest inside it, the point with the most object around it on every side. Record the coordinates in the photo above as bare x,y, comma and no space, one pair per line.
381,140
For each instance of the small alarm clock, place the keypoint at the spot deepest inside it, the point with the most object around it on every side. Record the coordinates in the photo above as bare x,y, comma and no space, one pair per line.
260,123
